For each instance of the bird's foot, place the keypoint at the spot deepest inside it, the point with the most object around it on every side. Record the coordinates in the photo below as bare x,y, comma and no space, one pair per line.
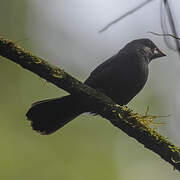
148,120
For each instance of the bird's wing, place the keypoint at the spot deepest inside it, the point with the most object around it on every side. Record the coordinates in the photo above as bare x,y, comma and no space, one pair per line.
109,69
104,66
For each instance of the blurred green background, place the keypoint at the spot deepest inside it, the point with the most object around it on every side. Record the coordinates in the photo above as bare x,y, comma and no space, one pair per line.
89,147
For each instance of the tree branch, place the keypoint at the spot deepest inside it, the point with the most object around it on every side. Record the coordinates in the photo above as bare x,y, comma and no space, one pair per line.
120,116
139,6
172,25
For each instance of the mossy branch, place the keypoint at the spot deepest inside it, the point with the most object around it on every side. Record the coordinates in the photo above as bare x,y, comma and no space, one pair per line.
120,116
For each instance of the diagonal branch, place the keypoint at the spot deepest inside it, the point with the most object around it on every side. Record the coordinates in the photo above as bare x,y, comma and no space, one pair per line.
139,6
119,116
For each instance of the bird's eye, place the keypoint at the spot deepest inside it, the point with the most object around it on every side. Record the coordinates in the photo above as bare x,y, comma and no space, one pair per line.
156,51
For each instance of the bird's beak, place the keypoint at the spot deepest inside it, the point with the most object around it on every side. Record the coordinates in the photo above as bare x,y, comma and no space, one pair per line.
158,53
161,54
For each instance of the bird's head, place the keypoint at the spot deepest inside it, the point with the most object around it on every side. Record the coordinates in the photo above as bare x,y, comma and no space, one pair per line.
146,48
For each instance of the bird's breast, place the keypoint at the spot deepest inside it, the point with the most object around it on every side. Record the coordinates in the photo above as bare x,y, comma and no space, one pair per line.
130,82
124,83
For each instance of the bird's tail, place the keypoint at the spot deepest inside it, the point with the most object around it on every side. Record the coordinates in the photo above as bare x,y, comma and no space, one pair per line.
50,115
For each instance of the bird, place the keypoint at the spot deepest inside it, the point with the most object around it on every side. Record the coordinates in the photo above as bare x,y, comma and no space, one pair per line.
120,77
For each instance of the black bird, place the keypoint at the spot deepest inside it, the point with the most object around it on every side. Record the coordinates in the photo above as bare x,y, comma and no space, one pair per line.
121,77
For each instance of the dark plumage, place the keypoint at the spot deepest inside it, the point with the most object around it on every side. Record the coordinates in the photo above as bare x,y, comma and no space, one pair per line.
120,77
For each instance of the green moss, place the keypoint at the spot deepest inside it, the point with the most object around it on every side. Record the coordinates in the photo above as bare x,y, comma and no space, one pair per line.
119,115
174,148
38,61
56,75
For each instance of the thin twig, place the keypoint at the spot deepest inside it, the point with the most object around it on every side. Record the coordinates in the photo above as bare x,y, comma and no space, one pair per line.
164,25
172,25
125,15
159,34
